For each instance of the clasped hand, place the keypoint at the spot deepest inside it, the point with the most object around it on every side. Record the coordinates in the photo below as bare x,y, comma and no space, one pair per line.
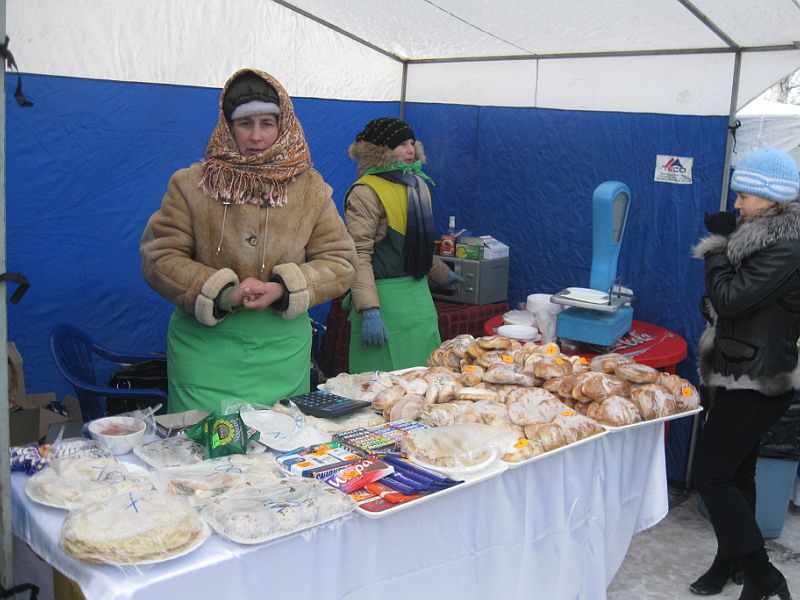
257,294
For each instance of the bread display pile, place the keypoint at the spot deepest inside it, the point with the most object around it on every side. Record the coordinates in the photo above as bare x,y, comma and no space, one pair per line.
550,399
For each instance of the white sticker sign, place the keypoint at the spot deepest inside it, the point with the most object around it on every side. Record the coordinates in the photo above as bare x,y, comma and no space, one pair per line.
673,169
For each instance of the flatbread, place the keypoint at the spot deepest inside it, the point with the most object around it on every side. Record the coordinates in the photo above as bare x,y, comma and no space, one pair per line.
75,481
256,514
148,526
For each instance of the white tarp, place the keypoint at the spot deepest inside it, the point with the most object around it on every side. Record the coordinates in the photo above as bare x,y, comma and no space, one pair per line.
766,124
654,55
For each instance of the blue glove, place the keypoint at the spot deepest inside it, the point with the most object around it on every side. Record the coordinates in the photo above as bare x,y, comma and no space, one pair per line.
373,333
452,282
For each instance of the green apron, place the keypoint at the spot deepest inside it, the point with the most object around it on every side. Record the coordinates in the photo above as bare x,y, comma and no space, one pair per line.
411,322
252,355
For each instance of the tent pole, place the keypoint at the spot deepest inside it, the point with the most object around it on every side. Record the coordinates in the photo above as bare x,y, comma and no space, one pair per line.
403,87
6,556
737,70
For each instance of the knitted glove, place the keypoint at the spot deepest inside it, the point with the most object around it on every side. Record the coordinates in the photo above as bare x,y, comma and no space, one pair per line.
721,223
452,282
373,333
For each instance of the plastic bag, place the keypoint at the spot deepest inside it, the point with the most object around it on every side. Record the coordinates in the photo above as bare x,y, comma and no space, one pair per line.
458,448
256,514
281,431
222,435
148,527
76,481
782,440
203,480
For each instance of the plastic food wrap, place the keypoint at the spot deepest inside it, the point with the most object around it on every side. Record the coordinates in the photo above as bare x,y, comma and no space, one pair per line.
209,478
360,386
222,435
281,431
171,452
32,458
458,447
260,513
73,482
148,526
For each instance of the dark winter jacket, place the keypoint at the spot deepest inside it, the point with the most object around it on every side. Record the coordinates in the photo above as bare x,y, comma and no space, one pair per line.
752,304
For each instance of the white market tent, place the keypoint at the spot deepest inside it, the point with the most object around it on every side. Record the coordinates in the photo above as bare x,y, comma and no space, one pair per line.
767,124
524,106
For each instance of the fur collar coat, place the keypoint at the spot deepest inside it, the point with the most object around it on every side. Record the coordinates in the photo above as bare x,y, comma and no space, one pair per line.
752,305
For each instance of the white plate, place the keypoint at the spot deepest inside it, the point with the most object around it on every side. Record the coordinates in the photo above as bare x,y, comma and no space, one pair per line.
587,295
659,420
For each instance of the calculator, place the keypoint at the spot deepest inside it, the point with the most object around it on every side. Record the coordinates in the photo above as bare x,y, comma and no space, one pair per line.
325,404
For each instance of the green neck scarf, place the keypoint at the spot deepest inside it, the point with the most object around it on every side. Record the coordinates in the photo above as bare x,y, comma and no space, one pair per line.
414,167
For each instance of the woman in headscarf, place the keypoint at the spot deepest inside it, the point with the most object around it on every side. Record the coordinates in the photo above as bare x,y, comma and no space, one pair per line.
245,242
393,320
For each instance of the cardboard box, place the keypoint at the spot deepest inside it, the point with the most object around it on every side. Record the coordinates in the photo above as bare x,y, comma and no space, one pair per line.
493,248
30,425
470,247
172,424
16,377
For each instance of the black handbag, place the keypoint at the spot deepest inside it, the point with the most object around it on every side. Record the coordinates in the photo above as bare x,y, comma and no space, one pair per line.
147,375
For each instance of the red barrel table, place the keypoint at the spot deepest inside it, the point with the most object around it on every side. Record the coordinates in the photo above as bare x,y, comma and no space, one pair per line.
649,344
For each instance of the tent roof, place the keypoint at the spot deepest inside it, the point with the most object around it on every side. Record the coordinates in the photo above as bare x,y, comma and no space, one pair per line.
457,29
661,56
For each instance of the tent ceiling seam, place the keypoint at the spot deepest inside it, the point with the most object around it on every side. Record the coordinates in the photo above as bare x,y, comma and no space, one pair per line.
337,29
473,26
708,23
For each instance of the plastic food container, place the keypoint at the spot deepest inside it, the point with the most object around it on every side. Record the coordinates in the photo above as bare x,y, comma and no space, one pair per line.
119,434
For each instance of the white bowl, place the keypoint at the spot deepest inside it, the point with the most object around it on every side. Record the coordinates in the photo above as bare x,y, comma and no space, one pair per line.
119,434
518,332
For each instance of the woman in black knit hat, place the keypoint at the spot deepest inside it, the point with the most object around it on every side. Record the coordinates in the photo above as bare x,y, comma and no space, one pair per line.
393,320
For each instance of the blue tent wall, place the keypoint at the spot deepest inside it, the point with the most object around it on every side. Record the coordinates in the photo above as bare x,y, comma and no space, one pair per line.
89,162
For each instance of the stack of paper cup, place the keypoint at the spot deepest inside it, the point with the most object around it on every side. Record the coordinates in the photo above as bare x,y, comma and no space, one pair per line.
545,314
541,302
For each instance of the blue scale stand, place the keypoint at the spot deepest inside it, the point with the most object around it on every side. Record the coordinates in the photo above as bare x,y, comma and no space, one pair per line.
600,324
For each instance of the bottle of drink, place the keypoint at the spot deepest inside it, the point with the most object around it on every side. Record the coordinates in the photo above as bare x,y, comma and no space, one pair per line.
448,246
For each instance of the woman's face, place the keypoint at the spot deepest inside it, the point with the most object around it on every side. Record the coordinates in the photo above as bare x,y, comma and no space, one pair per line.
749,205
405,152
255,134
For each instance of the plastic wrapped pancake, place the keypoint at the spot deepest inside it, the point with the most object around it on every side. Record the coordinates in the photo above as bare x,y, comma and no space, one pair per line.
73,482
148,527
260,513
209,478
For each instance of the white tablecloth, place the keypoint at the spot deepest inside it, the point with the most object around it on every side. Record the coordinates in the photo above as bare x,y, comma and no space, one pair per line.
557,528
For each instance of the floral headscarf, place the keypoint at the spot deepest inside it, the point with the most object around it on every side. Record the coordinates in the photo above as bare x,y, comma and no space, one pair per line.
232,178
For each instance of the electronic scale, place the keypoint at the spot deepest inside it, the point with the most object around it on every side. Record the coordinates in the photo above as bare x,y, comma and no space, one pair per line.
601,313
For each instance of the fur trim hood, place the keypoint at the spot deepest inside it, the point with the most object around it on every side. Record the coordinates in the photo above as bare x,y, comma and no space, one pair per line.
371,155
753,235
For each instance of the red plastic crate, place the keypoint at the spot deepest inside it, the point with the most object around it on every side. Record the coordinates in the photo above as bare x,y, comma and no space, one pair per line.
454,319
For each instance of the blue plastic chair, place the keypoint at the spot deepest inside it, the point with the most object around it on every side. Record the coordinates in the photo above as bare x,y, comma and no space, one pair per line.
77,357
